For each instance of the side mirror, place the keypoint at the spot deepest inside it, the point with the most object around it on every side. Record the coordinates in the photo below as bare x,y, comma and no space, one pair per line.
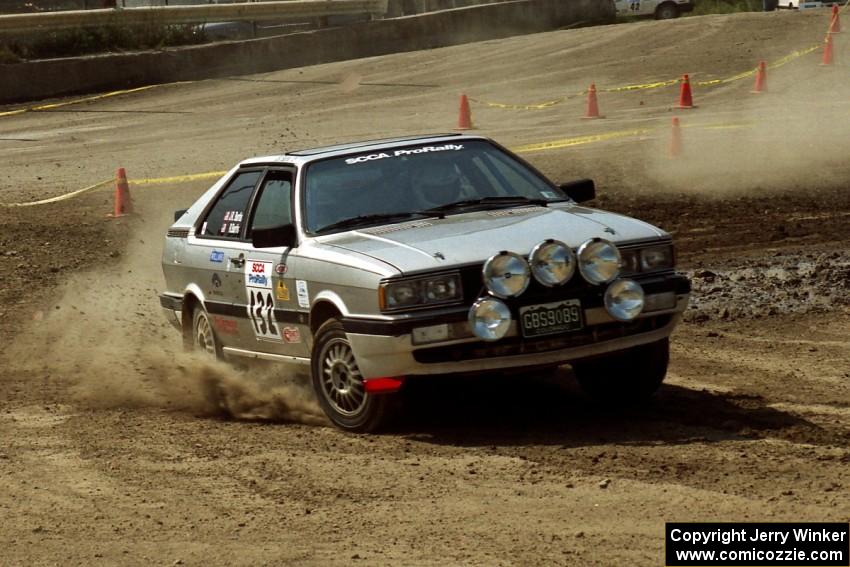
580,191
180,213
274,236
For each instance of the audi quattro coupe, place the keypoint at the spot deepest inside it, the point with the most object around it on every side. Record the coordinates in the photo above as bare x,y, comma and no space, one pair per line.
376,261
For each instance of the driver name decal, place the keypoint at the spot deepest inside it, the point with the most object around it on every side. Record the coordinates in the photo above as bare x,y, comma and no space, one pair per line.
403,152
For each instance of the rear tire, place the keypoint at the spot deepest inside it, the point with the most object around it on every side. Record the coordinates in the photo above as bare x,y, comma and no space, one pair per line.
666,12
627,377
339,386
204,338
205,341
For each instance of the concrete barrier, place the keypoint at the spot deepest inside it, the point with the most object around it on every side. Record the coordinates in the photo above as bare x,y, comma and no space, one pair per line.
57,77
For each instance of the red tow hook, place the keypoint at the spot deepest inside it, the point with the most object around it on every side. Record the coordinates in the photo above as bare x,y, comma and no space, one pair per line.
383,385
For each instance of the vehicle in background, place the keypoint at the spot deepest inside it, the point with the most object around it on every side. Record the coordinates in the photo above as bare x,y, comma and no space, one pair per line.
659,9
791,4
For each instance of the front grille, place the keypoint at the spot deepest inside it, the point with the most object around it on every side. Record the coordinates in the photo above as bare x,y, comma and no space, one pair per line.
517,345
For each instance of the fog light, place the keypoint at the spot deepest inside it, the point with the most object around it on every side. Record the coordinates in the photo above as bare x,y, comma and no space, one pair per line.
624,300
489,319
599,261
506,274
552,263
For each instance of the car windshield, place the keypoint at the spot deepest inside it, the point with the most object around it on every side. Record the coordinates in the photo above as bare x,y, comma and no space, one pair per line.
399,184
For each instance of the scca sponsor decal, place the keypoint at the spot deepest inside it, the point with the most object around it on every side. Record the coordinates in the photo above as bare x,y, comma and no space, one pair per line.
258,274
403,152
258,286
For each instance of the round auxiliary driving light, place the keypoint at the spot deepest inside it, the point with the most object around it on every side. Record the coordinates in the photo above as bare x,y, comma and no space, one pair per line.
506,274
489,319
552,263
624,300
599,261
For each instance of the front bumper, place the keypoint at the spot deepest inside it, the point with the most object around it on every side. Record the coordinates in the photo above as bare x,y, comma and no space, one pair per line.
394,354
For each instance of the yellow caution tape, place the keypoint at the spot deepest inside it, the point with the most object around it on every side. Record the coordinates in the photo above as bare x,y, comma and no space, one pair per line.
538,106
51,106
178,178
133,182
655,85
580,140
64,197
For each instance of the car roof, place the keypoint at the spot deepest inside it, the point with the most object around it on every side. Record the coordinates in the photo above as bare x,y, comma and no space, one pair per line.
300,157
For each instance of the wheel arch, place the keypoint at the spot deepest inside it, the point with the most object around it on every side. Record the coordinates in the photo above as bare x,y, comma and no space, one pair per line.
191,301
322,311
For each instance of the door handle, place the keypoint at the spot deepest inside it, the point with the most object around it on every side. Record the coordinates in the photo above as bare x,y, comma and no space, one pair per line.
238,261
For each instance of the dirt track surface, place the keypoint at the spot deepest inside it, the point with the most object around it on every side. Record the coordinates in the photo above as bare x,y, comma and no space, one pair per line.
109,455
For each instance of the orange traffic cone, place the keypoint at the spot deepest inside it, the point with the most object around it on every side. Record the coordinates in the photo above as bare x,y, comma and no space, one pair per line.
835,22
464,119
828,58
676,139
761,79
592,103
685,97
123,202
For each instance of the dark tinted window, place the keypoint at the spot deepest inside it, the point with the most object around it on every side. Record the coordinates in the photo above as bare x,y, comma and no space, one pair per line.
274,205
228,214
411,179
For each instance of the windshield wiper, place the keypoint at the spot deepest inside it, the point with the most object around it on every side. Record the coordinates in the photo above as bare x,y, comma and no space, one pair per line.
484,201
375,218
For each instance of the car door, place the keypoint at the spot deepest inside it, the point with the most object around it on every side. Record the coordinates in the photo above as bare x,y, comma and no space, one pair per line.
270,290
219,251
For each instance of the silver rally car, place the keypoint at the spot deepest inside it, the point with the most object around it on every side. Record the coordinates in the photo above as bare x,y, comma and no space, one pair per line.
375,261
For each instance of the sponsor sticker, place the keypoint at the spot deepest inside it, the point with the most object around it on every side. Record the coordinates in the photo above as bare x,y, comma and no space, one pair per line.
302,293
282,291
225,326
403,152
280,269
216,256
291,335
258,274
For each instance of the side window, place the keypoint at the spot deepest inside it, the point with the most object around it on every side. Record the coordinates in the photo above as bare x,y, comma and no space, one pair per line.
274,206
226,217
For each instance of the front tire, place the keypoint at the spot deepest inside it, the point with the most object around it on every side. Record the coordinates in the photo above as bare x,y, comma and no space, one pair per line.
626,377
339,384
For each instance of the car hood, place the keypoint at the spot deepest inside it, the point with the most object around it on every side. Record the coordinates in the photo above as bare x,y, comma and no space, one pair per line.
472,237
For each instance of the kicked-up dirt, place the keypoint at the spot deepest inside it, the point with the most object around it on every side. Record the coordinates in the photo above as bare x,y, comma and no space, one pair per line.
112,454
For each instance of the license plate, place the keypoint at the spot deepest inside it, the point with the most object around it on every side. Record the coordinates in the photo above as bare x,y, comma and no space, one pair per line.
551,318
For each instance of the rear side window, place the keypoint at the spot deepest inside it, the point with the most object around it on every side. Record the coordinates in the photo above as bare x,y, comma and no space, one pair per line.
274,205
229,212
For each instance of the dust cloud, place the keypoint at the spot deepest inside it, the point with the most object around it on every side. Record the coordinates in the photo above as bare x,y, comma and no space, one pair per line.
103,337
792,138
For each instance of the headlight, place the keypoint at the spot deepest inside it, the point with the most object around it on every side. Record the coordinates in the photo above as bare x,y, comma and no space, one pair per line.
431,290
506,274
599,261
489,319
656,258
552,263
624,300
